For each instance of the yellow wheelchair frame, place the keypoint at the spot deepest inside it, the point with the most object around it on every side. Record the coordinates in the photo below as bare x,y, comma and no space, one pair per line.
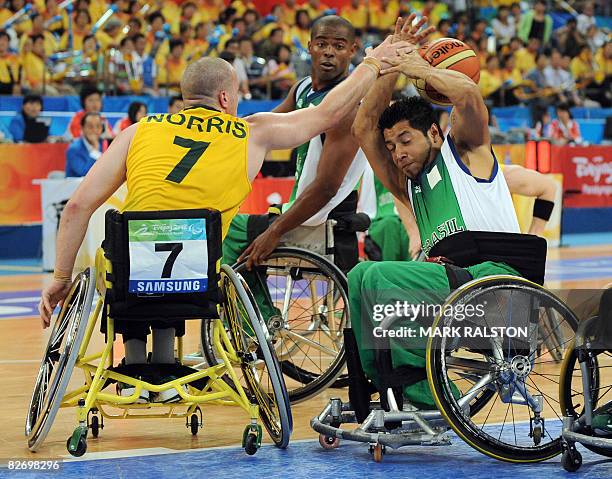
223,385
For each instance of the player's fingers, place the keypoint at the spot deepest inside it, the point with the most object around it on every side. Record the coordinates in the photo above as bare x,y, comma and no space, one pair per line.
407,26
399,23
392,69
425,33
417,26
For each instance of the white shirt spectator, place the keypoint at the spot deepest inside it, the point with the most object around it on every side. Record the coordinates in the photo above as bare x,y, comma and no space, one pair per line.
584,22
504,31
558,78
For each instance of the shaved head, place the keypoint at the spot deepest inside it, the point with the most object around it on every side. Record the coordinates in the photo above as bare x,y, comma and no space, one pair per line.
207,77
339,25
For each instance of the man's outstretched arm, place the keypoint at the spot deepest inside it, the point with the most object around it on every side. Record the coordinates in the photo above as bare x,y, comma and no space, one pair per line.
522,181
270,131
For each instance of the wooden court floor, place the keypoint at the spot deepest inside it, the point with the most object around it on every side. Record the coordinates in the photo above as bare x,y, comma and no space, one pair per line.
23,342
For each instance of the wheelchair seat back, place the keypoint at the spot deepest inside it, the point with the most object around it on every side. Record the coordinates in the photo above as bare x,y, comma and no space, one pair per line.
525,253
164,265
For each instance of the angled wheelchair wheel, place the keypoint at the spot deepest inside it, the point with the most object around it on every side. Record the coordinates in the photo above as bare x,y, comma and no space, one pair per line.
261,373
303,300
504,349
59,359
571,392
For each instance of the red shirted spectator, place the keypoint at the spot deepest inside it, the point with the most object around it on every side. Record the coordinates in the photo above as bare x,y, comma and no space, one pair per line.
91,101
136,111
565,129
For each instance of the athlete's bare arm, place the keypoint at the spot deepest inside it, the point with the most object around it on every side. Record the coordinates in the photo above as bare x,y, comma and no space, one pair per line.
277,131
365,127
469,117
365,130
409,221
337,155
106,175
522,181
288,104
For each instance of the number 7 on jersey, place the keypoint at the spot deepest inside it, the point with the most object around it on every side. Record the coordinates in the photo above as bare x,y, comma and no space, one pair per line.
183,167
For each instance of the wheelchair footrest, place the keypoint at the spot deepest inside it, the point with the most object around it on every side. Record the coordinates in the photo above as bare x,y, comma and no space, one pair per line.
157,373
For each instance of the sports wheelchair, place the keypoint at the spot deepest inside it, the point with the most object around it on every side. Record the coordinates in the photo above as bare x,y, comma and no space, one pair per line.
497,393
585,388
136,283
304,297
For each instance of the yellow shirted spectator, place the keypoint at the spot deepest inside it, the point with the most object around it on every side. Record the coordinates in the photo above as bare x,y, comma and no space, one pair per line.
171,68
315,8
384,15
210,9
50,12
525,60
242,6
81,28
603,59
10,68
490,77
24,26
289,10
356,13
97,9
301,30
5,13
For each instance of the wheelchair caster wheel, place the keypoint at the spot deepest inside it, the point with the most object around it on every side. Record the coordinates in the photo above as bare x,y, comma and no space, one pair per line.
194,424
571,460
80,447
251,438
329,442
251,445
537,436
95,426
377,451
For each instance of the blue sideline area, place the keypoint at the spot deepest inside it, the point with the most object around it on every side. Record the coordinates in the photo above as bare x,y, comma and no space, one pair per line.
306,459
60,110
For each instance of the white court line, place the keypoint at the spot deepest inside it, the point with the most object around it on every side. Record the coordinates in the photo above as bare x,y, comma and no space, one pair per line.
18,361
154,451
25,299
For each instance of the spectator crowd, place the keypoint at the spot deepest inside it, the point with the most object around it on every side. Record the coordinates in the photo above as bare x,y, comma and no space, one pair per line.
530,53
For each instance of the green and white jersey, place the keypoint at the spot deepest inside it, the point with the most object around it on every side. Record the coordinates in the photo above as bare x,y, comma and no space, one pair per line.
447,199
374,199
308,156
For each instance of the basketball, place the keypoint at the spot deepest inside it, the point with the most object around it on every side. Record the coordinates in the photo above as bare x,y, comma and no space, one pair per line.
451,54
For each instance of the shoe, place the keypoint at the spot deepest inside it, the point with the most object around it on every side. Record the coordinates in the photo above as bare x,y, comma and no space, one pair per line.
169,395
126,390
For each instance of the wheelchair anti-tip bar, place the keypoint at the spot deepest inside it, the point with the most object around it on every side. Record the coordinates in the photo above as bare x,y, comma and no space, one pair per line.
423,434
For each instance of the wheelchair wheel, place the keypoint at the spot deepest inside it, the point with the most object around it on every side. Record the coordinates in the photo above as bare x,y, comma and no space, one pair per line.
261,374
571,387
521,421
303,299
59,359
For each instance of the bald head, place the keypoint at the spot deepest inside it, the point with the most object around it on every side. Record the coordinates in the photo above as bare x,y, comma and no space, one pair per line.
206,78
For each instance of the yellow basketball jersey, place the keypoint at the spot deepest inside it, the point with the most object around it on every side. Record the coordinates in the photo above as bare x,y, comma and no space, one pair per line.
196,158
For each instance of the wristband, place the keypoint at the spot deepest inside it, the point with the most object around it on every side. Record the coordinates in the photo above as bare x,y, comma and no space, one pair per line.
543,209
372,63
62,276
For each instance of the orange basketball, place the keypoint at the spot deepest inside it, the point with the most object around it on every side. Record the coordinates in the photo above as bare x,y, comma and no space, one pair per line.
451,54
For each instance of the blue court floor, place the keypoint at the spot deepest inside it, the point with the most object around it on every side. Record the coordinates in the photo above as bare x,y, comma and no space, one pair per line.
306,459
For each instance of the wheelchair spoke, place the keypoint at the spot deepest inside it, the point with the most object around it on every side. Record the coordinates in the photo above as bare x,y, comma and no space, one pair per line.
314,344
